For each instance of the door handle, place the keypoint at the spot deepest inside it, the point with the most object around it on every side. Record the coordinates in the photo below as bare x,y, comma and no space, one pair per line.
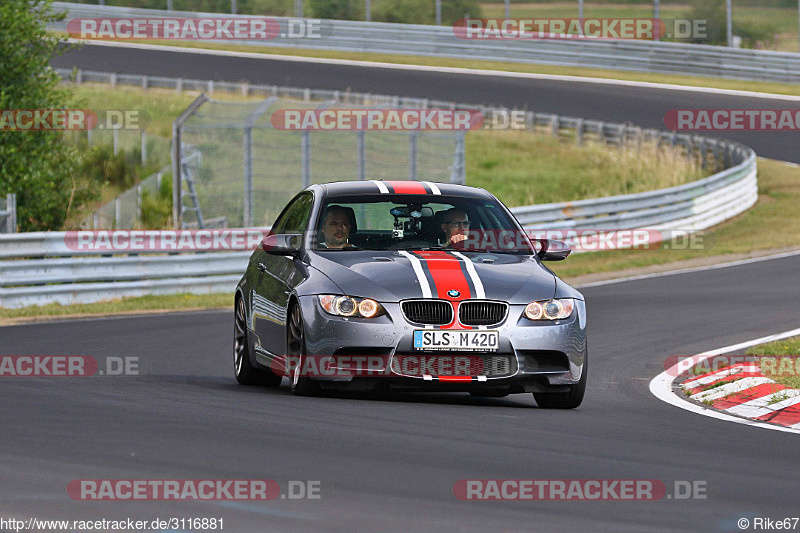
262,267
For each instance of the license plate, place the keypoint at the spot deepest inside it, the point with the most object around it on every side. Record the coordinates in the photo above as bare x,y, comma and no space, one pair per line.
437,339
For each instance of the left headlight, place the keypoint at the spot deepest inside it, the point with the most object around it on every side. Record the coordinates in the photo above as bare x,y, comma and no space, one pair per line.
349,306
556,309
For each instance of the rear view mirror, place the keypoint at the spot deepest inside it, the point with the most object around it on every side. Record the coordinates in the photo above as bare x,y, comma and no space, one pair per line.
282,244
552,250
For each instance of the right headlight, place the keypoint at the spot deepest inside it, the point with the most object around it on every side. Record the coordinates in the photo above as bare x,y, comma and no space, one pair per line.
347,306
556,309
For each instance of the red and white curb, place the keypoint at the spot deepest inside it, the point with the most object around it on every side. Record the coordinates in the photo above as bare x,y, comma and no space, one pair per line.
740,398
742,390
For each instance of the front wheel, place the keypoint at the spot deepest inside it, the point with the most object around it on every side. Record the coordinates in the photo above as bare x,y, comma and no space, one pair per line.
295,350
245,372
564,400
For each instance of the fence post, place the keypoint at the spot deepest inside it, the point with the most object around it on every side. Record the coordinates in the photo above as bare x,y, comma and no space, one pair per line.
78,77
233,7
554,126
11,207
176,158
579,132
458,174
179,85
362,156
115,133
117,212
248,178
703,155
306,147
412,155
144,146
139,202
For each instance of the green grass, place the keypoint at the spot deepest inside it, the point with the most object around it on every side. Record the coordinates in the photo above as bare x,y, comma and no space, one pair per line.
125,305
782,370
755,229
522,168
685,80
160,106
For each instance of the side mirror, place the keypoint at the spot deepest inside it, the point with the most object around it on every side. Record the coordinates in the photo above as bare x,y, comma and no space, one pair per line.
552,250
282,244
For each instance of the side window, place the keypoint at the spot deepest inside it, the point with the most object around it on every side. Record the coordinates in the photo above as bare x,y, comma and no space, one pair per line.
294,218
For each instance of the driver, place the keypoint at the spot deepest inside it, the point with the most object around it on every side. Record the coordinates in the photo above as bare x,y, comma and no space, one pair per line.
336,227
455,225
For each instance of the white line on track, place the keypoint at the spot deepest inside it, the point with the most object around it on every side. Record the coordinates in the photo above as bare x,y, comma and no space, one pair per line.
447,70
661,385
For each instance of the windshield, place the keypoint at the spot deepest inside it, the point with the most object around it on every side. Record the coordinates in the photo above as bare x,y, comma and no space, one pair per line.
409,222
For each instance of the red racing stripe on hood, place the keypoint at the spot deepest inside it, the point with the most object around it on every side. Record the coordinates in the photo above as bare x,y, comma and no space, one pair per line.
447,275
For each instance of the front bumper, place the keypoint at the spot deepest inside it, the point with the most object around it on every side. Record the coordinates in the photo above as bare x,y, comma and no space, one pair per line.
542,356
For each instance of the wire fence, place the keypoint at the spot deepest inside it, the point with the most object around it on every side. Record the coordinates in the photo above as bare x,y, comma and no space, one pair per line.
218,132
125,211
250,169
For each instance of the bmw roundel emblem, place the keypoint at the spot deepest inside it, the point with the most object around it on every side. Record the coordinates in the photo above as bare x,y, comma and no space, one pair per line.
453,293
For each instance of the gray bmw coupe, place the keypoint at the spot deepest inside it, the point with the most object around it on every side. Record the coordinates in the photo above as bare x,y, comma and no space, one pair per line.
408,285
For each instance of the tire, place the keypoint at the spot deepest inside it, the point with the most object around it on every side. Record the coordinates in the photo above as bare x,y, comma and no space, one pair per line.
243,369
564,400
296,347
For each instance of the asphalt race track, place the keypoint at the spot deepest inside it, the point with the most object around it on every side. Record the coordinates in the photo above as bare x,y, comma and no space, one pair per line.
390,462
644,107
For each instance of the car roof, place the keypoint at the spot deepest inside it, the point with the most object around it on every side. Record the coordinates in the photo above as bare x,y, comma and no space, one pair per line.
390,187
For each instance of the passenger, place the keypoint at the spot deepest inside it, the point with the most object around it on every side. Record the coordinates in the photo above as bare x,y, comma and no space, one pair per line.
455,225
336,226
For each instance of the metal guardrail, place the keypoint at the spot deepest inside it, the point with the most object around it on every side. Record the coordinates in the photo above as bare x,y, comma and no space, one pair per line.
8,215
46,269
440,41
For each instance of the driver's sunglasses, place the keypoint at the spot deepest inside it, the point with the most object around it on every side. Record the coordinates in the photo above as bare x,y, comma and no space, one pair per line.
459,223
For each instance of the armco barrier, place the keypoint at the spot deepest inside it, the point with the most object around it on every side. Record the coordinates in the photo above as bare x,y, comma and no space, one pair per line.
440,41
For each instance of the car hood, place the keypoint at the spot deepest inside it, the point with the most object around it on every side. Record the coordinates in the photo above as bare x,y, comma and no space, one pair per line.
392,276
